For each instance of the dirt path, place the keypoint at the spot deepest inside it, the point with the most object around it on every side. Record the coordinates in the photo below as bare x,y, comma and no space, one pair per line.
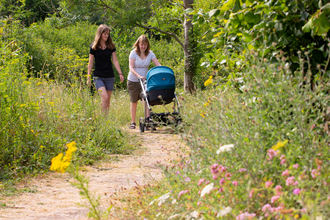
52,197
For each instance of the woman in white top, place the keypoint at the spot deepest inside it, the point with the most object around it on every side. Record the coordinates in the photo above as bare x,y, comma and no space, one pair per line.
139,61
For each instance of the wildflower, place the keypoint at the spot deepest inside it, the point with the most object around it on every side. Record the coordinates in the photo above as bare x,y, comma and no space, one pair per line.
222,181
285,173
194,214
201,181
228,175
267,209
225,148
245,216
296,191
235,183
274,199
182,192
209,81
163,198
295,166
271,153
283,161
242,170
268,184
221,190
214,168
203,115
224,212
279,145
289,181
251,193
60,163
207,189
314,173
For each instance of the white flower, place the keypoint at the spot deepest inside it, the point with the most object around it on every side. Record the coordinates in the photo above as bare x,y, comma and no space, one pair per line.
224,212
194,214
207,189
173,216
225,148
163,198
174,201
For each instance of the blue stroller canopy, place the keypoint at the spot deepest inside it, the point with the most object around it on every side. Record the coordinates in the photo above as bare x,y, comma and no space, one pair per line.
160,77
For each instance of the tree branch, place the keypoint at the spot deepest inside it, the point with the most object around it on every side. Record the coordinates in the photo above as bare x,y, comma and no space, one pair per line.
107,6
163,32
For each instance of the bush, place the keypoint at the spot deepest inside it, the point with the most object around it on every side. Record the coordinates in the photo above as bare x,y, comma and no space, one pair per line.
258,152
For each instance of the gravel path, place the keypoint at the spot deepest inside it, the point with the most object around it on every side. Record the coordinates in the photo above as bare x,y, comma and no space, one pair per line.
52,197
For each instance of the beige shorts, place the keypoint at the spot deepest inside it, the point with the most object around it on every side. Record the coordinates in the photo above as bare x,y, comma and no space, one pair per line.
134,90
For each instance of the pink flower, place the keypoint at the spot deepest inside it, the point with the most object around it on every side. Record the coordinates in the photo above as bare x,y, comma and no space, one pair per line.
278,188
221,189
223,169
267,209
222,181
296,191
242,170
286,173
295,183
207,182
268,184
182,192
289,181
215,177
245,216
271,153
201,181
235,183
274,199
228,175
314,173
283,161
214,168
251,193
295,166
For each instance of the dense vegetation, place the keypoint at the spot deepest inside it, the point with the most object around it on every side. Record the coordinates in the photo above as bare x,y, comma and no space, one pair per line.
257,126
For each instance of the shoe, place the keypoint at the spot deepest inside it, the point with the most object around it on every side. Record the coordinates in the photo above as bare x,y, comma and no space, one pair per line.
132,126
148,128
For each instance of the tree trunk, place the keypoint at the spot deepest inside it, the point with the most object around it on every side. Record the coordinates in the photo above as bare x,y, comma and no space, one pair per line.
188,63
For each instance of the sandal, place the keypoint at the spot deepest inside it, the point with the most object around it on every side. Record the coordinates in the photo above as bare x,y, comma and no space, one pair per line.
132,126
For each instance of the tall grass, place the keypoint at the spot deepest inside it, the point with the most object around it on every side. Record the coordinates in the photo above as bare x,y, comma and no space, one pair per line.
40,116
258,150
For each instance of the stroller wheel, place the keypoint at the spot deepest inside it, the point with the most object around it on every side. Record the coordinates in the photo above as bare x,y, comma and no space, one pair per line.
141,125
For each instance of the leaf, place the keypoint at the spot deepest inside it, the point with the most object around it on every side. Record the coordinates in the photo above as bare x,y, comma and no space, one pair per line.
214,12
228,5
247,37
308,26
278,26
249,17
326,8
189,10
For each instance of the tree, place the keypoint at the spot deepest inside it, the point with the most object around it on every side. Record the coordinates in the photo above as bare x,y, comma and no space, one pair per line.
161,16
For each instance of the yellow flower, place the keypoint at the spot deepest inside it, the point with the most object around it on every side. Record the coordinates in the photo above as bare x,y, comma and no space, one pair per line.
279,145
209,81
60,163
51,103
203,115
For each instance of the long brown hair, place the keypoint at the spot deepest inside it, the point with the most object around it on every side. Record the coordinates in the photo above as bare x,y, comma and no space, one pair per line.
142,39
100,30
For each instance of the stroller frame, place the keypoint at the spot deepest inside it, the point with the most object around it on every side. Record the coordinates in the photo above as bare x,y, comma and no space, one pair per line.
158,119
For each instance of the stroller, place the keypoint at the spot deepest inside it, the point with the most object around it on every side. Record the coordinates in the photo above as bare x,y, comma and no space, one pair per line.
159,89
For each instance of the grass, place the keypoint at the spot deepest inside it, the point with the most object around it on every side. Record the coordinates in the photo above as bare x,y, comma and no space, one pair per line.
258,152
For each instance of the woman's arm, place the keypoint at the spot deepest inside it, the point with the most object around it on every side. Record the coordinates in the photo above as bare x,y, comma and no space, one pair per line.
155,61
131,68
89,68
116,64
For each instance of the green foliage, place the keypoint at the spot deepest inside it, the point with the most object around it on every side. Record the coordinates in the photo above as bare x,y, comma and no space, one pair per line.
38,117
261,152
262,24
